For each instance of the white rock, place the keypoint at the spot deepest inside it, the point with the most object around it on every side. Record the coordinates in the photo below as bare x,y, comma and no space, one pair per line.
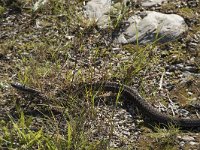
193,143
182,143
187,138
99,10
39,4
96,10
145,26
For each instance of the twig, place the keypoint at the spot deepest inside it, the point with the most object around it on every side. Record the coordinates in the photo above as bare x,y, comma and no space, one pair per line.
161,80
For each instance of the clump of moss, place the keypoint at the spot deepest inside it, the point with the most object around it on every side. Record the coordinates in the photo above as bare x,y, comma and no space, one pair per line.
2,10
187,12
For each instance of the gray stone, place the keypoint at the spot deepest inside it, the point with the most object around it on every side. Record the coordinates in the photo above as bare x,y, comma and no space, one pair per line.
150,26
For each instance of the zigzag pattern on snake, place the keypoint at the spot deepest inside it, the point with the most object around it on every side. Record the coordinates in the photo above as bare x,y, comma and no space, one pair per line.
134,97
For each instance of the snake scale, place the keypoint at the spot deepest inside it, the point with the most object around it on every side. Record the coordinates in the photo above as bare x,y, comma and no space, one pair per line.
134,97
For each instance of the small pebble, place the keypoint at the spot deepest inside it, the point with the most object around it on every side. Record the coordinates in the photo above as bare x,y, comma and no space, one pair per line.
187,138
193,143
182,143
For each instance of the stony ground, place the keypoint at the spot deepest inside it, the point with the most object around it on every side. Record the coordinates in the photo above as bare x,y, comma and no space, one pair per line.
56,48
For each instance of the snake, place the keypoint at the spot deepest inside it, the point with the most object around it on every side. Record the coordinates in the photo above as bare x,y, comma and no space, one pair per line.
134,97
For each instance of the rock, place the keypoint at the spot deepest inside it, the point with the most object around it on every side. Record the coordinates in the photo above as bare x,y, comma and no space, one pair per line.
101,10
39,4
182,144
96,10
150,3
148,26
193,143
183,112
187,138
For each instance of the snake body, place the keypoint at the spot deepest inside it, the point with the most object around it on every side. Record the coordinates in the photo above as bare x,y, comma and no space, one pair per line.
134,97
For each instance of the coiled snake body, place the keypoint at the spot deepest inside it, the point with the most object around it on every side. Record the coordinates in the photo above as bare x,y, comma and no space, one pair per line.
132,96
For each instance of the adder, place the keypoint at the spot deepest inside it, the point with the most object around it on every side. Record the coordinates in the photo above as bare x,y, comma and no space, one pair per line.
133,97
